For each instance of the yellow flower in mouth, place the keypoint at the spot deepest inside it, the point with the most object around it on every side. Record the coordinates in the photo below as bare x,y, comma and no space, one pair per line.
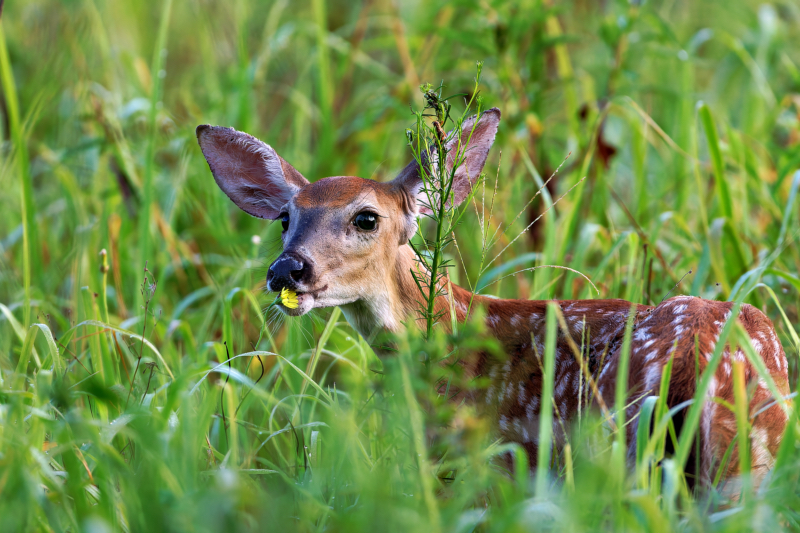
289,298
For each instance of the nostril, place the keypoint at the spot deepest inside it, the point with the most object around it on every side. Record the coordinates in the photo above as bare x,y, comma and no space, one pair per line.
297,274
270,274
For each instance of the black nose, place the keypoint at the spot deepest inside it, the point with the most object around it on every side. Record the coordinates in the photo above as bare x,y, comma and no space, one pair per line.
289,270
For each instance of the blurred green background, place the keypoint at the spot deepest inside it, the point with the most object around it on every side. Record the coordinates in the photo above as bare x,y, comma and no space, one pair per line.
683,117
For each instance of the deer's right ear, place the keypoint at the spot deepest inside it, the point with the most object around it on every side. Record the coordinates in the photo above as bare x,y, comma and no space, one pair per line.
249,171
467,150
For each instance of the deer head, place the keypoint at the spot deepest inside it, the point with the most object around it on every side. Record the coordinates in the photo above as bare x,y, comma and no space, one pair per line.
344,238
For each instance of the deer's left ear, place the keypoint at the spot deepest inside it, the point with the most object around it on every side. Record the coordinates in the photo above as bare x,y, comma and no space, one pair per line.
471,148
249,171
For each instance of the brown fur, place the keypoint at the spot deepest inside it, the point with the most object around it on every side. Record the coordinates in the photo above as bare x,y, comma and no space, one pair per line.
337,191
513,395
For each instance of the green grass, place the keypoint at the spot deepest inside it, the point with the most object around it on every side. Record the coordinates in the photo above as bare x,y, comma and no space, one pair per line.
229,426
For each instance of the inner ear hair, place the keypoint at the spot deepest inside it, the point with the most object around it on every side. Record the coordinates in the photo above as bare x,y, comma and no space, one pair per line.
475,140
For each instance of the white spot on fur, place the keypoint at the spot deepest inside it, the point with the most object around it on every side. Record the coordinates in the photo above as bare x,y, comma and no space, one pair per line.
562,385
652,377
523,393
780,357
651,356
641,335
713,343
532,409
757,346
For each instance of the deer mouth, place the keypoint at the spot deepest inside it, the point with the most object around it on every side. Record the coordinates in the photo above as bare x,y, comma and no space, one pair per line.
305,302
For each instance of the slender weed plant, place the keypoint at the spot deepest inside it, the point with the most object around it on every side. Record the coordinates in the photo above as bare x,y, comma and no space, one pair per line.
431,148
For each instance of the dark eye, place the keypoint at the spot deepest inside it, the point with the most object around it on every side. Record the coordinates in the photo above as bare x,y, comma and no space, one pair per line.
285,221
366,221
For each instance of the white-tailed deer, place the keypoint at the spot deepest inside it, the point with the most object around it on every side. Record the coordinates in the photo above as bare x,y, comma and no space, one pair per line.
345,244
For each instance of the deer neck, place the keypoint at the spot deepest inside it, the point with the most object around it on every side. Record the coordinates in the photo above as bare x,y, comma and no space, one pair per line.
399,300
519,325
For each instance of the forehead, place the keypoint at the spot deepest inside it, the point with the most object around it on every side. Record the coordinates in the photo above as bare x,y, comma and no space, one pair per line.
340,191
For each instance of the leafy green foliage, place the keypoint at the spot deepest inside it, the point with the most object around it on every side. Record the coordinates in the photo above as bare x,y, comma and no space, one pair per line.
176,399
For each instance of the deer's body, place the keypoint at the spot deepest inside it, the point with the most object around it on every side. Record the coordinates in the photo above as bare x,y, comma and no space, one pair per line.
683,325
345,244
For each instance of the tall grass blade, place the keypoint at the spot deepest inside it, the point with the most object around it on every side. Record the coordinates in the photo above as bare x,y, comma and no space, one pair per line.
720,181
156,94
546,411
31,263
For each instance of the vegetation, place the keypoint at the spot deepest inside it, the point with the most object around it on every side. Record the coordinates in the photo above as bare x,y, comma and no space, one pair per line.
146,382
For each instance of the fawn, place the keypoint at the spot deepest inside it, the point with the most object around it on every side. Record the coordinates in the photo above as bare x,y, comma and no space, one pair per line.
345,244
